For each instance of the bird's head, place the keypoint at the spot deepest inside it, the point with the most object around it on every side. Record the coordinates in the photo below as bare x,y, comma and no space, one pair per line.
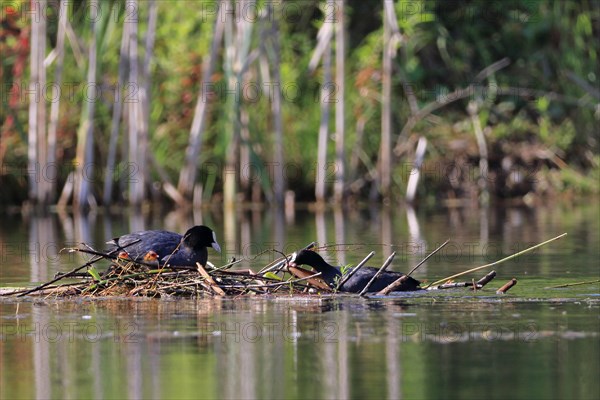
201,236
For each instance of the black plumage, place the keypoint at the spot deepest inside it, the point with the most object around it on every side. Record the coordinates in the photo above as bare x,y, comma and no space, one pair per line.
332,275
171,248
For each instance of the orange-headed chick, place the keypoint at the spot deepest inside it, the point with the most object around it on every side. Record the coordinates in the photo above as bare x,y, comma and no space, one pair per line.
151,257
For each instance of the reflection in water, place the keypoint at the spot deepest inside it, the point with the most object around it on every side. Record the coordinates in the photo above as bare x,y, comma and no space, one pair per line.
245,237
392,351
342,360
297,348
68,228
386,232
476,237
230,236
484,225
96,364
418,244
134,353
309,348
84,225
41,357
321,227
42,246
340,232
279,236
136,222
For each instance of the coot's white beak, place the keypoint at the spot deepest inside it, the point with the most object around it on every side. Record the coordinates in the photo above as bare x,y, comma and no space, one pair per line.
214,244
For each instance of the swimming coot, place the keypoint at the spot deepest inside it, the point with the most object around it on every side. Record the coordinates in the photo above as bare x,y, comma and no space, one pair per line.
358,281
169,248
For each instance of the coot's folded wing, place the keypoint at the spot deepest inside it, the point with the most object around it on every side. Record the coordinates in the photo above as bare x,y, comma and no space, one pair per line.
137,244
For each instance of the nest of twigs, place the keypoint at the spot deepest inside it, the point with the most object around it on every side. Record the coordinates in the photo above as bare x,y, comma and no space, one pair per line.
126,277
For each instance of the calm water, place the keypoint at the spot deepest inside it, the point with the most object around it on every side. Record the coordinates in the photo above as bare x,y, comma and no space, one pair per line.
532,343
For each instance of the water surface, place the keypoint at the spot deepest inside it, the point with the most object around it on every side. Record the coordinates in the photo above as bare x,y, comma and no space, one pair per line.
531,343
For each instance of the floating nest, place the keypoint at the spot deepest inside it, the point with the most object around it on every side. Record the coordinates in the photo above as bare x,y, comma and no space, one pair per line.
126,277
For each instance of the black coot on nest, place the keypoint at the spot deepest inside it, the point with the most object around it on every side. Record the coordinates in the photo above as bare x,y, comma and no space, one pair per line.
331,275
169,248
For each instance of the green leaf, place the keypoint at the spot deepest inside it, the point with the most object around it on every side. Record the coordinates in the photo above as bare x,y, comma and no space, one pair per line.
271,275
94,273
542,104
344,269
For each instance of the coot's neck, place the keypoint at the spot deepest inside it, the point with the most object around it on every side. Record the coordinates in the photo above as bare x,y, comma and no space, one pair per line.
328,272
190,242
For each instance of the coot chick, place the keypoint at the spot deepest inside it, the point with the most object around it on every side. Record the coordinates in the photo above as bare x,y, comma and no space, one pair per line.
331,275
170,248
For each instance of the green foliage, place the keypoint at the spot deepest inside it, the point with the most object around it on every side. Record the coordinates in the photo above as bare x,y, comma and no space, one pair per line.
94,273
345,270
272,275
552,46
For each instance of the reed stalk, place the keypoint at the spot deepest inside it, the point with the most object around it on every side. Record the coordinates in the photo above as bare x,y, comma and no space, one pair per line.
497,262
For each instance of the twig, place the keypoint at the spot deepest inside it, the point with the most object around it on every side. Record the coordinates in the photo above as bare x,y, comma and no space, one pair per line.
210,280
379,272
234,262
582,83
286,261
486,279
572,284
492,69
43,285
507,286
497,262
404,278
451,97
472,285
5,290
273,284
303,273
166,263
453,285
349,275
281,261
121,278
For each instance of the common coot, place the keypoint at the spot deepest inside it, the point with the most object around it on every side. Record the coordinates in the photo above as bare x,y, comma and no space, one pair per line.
331,275
169,248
